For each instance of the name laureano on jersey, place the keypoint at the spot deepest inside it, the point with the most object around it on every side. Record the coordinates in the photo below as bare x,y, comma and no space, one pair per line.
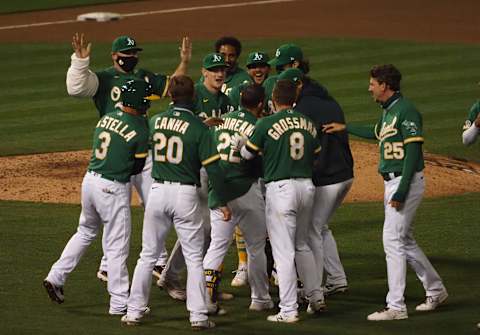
237,125
283,125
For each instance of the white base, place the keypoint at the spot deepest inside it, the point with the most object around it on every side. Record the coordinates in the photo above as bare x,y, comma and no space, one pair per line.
99,17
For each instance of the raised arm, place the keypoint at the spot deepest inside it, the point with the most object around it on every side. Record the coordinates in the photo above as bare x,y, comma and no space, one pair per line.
81,81
185,56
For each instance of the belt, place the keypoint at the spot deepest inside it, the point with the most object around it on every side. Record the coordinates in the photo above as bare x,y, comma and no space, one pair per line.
387,176
96,174
173,182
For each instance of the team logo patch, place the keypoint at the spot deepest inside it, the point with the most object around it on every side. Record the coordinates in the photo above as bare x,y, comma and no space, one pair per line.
277,53
130,41
410,126
217,58
258,56
467,124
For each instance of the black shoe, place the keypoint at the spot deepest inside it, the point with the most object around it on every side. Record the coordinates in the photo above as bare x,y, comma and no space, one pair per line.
54,292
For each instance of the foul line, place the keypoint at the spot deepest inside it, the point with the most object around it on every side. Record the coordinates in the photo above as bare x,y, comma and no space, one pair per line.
164,11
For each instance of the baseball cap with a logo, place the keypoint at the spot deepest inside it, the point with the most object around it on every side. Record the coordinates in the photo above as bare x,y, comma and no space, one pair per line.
292,74
124,43
257,58
286,54
213,60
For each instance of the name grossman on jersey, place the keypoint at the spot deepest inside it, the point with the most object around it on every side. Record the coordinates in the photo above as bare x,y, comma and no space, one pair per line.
287,123
117,126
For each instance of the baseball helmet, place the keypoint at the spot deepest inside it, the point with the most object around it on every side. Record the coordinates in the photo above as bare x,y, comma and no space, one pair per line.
137,94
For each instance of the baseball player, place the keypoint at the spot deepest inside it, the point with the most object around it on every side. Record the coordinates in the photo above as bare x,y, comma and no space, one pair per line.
471,128
244,199
120,146
332,175
287,56
104,88
182,144
400,135
258,70
288,142
210,103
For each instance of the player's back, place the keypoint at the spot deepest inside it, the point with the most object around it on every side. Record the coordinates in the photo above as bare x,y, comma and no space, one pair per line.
181,144
289,141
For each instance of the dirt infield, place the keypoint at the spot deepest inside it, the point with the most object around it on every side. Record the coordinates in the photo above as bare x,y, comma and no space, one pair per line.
57,177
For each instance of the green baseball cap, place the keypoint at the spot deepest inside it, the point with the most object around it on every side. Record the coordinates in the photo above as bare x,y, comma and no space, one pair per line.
137,93
257,58
124,43
286,54
213,60
292,74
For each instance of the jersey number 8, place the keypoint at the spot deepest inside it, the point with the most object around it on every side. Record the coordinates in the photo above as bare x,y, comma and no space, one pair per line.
297,143
174,147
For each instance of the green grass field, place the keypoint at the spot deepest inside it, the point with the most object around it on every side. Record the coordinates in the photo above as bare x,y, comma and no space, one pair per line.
37,115
33,236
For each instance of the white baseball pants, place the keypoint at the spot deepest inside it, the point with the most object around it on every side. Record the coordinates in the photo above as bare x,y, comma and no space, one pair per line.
178,205
326,201
400,246
288,217
248,211
106,203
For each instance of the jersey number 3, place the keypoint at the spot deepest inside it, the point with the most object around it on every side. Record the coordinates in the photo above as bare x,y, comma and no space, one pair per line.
174,147
105,138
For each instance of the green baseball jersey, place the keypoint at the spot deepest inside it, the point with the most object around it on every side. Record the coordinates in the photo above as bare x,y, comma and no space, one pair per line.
239,76
110,80
269,84
208,104
399,124
238,172
288,141
118,139
182,144
472,115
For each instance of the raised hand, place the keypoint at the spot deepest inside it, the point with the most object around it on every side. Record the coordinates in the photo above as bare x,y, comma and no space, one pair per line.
186,50
81,46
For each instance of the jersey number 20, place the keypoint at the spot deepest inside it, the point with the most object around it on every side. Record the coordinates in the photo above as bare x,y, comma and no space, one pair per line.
174,147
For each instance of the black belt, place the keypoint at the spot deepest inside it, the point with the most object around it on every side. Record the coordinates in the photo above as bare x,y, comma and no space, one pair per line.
96,174
174,182
387,176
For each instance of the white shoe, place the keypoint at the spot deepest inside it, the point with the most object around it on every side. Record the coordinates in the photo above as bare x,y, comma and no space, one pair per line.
215,309
331,289
316,306
387,314
241,277
261,306
432,303
173,288
132,321
146,311
280,317
102,275
200,325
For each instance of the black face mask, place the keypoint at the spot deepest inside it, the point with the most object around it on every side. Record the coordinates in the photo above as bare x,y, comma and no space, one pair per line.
127,63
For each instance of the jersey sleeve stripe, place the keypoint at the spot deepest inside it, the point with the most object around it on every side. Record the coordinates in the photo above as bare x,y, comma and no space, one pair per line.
376,133
141,155
167,85
413,139
211,159
318,149
252,146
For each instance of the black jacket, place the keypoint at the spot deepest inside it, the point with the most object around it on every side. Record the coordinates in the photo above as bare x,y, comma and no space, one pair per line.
335,162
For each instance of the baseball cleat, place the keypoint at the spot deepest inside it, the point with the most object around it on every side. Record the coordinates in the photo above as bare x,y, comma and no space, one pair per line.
261,306
280,317
331,289
201,325
129,320
54,292
388,314
241,277
157,271
215,309
173,288
432,303
102,275
146,311
316,307
224,296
